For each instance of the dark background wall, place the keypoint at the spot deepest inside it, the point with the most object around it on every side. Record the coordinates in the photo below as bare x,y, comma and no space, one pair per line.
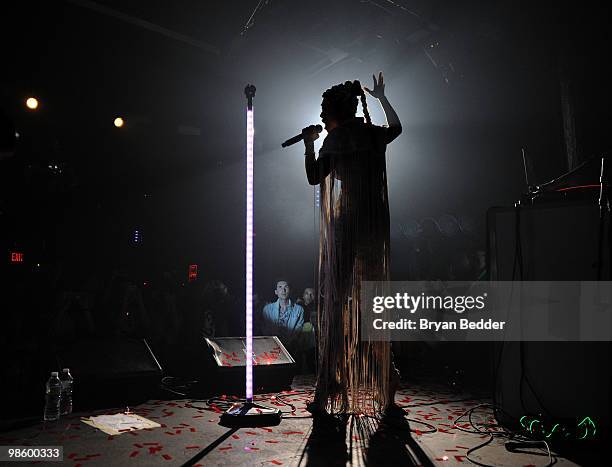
473,83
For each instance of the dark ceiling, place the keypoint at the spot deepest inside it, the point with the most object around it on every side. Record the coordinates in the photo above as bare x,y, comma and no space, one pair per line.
472,81
175,68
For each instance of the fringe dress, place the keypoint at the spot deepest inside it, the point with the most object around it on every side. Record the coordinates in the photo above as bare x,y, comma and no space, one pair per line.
353,375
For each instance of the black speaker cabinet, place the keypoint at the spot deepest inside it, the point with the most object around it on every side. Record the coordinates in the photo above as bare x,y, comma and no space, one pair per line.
110,372
569,380
273,366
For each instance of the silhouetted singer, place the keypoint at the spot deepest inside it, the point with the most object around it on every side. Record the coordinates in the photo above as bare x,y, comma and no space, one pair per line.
352,376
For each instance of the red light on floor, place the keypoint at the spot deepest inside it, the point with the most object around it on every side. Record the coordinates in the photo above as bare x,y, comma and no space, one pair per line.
193,272
16,257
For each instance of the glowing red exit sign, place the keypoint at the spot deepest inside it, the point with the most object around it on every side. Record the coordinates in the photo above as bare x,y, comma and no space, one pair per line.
193,272
16,257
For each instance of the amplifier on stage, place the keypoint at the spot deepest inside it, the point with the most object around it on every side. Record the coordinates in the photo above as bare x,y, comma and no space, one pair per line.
111,372
273,366
231,351
564,380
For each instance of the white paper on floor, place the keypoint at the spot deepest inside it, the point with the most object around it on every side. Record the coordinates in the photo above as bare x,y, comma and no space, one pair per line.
119,423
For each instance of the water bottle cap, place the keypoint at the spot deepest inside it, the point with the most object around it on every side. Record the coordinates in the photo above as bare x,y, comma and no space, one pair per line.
54,373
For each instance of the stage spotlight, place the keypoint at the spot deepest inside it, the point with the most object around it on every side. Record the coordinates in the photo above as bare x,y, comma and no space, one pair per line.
118,122
32,103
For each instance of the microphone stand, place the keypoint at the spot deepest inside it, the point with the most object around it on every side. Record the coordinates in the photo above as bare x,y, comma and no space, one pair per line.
249,413
604,207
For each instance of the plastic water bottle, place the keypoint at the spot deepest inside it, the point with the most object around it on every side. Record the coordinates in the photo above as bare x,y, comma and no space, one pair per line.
53,395
66,400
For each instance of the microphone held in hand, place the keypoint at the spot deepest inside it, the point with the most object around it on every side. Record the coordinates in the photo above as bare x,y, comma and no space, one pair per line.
300,137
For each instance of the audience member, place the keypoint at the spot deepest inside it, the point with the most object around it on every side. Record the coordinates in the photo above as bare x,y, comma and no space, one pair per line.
283,318
216,317
307,301
309,341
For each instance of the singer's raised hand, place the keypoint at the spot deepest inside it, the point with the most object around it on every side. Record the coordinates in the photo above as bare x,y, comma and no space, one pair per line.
393,121
310,134
379,87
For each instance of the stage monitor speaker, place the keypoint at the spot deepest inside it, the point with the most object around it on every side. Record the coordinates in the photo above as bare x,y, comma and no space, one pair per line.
110,372
273,366
562,380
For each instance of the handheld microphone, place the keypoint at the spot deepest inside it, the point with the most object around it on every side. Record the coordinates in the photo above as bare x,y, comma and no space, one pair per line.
300,137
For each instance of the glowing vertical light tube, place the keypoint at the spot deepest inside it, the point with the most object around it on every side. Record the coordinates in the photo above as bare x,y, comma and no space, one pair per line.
249,256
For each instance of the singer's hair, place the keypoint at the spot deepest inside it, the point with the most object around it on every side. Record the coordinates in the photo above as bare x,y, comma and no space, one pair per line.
340,101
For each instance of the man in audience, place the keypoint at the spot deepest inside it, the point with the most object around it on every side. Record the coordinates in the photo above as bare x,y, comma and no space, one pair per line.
310,328
307,302
283,318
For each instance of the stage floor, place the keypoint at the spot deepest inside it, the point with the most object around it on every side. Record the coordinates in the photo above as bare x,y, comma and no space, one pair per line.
190,432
